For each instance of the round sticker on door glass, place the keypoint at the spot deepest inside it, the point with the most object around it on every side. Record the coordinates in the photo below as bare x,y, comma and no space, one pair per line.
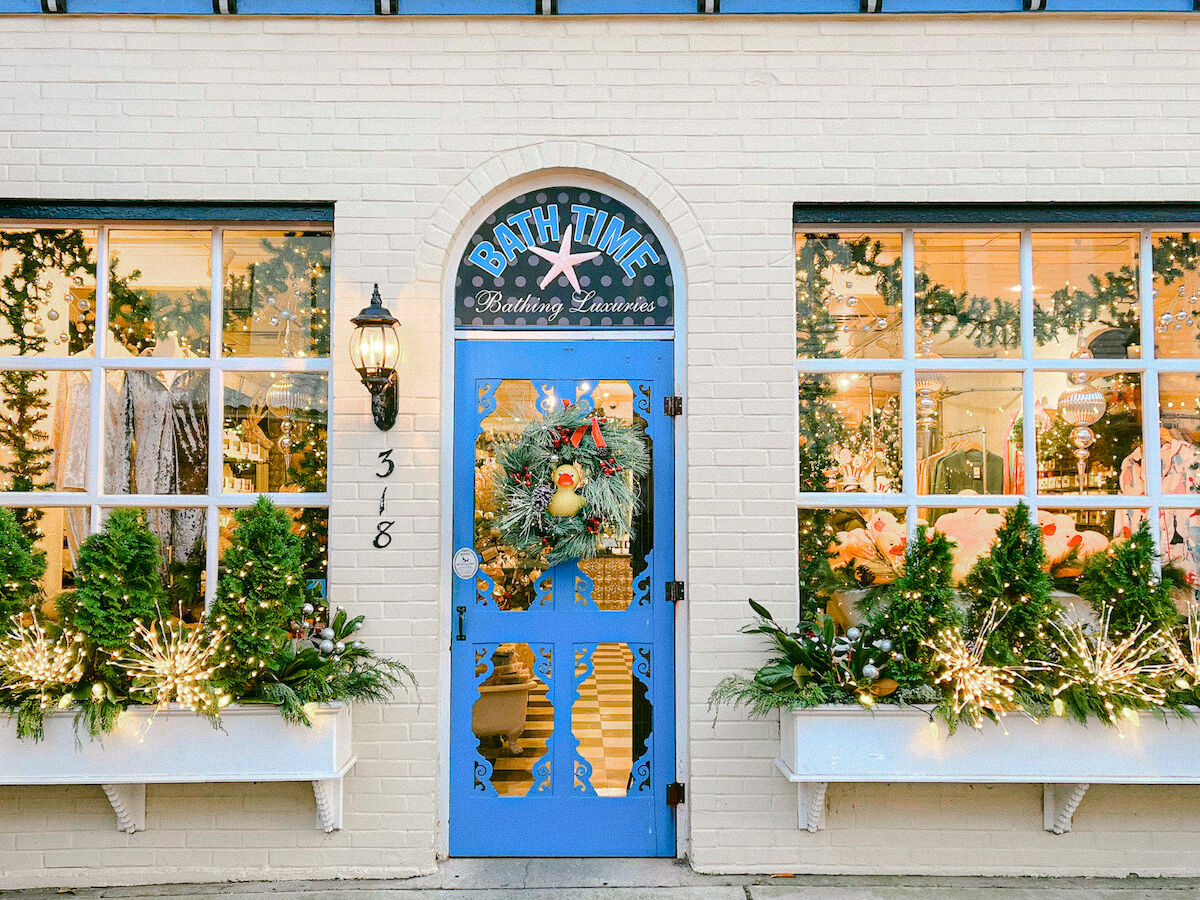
466,563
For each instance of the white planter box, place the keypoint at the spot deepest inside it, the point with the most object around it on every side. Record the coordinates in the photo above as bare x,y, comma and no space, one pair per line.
175,745
832,744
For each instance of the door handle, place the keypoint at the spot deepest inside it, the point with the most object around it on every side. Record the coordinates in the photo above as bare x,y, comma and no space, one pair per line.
462,615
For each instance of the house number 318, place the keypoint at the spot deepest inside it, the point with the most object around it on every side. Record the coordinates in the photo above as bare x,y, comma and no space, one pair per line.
383,535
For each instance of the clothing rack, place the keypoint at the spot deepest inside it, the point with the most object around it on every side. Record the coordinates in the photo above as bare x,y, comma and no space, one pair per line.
981,430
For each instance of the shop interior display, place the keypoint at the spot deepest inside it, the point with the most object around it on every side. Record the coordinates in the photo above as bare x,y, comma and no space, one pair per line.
154,423
112,642
970,428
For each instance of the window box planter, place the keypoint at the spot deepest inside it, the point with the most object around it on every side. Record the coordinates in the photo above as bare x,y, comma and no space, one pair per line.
835,744
175,745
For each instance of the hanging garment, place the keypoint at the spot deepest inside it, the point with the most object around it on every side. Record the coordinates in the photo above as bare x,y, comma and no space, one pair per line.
164,450
71,440
1180,527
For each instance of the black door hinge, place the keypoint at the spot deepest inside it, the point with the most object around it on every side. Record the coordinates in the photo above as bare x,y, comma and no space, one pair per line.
676,793
674,591
673,406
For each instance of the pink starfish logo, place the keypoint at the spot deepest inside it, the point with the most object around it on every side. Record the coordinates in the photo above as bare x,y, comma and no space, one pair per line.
564,261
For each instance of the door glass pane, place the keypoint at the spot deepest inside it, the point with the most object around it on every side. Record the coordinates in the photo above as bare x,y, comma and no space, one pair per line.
513,718
48,292
511,579
611,719
156,432
847,296
275,432
276,293
1085,293
619,572
160,289
57,533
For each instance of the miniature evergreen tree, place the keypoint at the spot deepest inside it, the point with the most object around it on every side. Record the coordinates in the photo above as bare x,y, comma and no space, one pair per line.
1011,578
22,566
1121,583
260,593
918,604
119,582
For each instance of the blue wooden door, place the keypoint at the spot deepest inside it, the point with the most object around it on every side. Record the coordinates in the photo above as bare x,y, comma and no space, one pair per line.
562,683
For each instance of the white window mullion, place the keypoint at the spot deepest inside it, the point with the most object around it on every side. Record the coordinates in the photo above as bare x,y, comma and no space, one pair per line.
1151,445
216,418
908,383
99,395
1028,400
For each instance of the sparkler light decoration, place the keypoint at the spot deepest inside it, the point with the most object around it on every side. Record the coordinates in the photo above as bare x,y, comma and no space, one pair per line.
1118,675
977,688
33,663
1184,653
176,668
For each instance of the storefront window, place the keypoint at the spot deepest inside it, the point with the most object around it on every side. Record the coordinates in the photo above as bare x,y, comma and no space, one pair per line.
1007,363
142,412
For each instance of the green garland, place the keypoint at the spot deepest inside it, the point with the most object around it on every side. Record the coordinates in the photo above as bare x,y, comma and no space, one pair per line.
609,455
1110,299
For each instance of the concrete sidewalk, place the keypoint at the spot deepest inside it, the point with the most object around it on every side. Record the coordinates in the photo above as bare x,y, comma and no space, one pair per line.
623,879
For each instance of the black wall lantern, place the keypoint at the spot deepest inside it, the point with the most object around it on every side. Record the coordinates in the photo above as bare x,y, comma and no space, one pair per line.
375,352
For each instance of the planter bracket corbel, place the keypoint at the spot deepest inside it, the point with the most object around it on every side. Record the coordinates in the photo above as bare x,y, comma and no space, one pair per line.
328,793
811,797
129,803
1059,802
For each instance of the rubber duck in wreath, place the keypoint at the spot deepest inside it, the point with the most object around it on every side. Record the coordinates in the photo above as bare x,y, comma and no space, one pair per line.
565,502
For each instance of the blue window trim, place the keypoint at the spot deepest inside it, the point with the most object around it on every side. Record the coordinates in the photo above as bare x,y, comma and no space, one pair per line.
171,211
816,214
585,7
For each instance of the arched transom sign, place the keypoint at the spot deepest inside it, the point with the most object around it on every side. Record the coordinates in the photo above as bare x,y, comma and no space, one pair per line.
564,257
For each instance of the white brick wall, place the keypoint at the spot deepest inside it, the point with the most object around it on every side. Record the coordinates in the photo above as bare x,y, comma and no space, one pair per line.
720,123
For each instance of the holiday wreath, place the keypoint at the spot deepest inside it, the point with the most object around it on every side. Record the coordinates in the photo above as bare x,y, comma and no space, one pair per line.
566,477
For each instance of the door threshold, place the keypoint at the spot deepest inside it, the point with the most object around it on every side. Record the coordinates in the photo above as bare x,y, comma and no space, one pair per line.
466,873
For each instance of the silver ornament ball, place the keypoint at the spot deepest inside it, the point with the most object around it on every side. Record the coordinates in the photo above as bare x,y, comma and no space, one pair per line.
326,647
307,609
870,672
853,633
327,634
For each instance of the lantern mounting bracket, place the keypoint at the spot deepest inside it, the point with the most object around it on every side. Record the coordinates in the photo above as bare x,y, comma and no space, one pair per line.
384,401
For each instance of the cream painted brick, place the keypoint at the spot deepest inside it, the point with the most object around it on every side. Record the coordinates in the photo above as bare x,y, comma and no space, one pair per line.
720,124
